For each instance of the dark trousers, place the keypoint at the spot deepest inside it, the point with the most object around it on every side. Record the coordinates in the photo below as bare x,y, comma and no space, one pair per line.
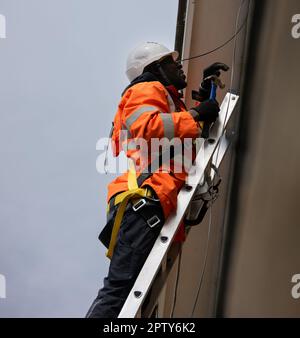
135,241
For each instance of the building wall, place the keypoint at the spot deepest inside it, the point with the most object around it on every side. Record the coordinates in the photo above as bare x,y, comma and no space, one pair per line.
259,200
266,253
205,36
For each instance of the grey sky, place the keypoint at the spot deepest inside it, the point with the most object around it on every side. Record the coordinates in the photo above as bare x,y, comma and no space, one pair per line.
61,74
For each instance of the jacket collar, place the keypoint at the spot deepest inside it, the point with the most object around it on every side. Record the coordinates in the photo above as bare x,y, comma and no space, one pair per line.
149,77
145,77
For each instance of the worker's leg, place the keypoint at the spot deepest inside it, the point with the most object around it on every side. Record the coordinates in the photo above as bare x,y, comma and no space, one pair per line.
135,241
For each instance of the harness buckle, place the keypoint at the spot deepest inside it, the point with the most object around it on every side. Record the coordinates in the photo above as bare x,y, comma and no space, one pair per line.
139,204
153,221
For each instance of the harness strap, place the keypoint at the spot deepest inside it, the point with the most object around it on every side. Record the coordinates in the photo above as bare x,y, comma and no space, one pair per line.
133,192
128,195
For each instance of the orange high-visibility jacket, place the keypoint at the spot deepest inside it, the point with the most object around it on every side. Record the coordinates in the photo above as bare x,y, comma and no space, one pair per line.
149,110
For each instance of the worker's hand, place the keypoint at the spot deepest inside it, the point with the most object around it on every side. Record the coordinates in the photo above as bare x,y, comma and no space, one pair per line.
213,69
207,111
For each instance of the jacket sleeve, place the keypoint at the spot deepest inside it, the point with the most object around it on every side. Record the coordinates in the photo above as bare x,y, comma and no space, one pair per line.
145,114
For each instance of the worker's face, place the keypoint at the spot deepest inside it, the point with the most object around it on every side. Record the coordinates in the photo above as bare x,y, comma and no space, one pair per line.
174,72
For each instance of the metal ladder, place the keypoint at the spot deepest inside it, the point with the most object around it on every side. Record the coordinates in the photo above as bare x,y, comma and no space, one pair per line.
154,273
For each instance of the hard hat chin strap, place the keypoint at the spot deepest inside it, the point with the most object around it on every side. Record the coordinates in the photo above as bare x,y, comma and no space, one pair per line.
163,74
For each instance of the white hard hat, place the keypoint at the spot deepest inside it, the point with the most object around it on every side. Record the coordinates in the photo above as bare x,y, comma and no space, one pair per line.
145,54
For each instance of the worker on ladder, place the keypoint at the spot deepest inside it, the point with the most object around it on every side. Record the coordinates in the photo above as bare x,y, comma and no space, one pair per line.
140,201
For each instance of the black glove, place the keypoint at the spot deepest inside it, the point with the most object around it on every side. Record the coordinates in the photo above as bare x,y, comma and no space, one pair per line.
207,111
205,87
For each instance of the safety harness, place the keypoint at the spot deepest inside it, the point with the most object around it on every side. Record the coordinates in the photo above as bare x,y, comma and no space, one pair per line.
136,195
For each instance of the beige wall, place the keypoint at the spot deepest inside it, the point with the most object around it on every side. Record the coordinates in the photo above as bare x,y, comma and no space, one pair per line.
265,250
210,28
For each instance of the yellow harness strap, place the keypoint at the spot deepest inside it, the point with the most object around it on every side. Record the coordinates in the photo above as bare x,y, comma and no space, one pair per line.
123,199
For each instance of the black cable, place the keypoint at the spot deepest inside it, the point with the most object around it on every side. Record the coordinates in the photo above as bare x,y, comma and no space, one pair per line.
205,261
176,284
219,47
